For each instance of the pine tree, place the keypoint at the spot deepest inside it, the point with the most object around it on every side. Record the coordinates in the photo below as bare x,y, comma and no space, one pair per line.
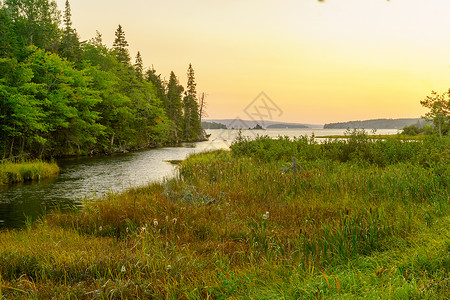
67,17
120,46
192,124
173,106
8,42
70,43
139,64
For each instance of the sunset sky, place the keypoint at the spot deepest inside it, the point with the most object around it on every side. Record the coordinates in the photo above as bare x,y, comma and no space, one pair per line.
320,62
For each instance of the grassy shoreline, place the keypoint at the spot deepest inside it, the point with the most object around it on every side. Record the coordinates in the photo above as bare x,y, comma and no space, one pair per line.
240,224
14,172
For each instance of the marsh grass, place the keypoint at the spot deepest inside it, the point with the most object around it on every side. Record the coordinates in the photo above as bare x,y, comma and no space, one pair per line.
238,225
14,172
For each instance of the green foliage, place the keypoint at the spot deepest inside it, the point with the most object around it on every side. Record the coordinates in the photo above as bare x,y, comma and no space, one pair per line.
13,172
78,98
357,147
439,113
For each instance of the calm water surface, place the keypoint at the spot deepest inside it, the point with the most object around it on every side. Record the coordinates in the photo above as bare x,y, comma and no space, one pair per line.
90,178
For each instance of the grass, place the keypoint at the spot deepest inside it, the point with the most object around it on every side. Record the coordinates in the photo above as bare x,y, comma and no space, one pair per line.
239,224
14,172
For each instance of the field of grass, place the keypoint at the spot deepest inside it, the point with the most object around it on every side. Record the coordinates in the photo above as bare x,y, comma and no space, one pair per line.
13,172
240,224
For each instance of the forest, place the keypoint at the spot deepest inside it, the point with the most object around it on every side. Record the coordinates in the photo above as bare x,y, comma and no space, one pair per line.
61,96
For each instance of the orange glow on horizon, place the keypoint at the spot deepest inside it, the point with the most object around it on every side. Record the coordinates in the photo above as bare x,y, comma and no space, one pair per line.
321,62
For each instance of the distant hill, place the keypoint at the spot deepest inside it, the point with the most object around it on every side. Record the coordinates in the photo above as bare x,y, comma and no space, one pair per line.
377,124
246,124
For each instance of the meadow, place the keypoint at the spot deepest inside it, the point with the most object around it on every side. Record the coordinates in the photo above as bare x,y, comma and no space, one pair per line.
358,218
26,170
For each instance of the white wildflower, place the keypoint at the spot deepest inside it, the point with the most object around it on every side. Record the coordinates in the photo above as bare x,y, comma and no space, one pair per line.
143,230
174,221
266,215
123,270
155,222
100,228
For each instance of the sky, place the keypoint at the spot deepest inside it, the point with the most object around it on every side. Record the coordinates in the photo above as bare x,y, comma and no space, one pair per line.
318,62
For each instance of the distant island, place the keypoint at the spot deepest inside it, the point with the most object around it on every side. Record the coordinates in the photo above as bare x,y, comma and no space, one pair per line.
213,125
377,124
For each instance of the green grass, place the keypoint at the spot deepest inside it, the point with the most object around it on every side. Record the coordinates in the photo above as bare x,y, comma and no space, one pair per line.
240,225
13,172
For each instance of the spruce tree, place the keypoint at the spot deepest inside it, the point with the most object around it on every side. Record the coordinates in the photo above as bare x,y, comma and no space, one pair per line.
174,106
70,44
120,46
139,64
192,124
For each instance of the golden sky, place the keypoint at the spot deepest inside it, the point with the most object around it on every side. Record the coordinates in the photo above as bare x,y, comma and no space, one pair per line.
320,62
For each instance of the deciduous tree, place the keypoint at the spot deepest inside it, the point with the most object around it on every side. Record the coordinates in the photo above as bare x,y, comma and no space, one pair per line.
439,113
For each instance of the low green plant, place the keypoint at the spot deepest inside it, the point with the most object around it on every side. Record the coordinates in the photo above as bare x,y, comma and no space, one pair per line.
13,172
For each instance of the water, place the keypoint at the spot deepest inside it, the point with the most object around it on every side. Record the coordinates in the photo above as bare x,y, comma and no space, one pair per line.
90,178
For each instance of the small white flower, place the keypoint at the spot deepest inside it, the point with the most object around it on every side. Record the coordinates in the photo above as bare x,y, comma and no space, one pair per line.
266,215
155,222
143,230
169,267
123,270
127,229
167,218
174,221
100,228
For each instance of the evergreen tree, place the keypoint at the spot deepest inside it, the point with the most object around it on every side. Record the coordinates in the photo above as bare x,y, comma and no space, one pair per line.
70,44
8,43
139,65
120,46
192,124
36,22
174,106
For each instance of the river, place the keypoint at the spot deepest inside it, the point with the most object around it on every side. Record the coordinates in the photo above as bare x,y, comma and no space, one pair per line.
89,178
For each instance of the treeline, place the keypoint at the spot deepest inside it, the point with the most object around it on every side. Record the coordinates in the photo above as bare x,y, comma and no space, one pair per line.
376,124
62,96
213,125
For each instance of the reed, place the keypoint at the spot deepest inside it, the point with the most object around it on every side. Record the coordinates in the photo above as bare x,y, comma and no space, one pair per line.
14,172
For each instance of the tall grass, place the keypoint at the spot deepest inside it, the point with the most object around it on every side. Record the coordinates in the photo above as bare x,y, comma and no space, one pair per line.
239,224
13,172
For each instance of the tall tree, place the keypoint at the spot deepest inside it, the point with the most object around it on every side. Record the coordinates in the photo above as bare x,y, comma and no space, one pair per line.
120,46
8,43
174,106
202,106
70,44
192,124
139,64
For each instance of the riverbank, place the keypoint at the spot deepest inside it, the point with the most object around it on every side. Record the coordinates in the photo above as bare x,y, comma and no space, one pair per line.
241,224
14,172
